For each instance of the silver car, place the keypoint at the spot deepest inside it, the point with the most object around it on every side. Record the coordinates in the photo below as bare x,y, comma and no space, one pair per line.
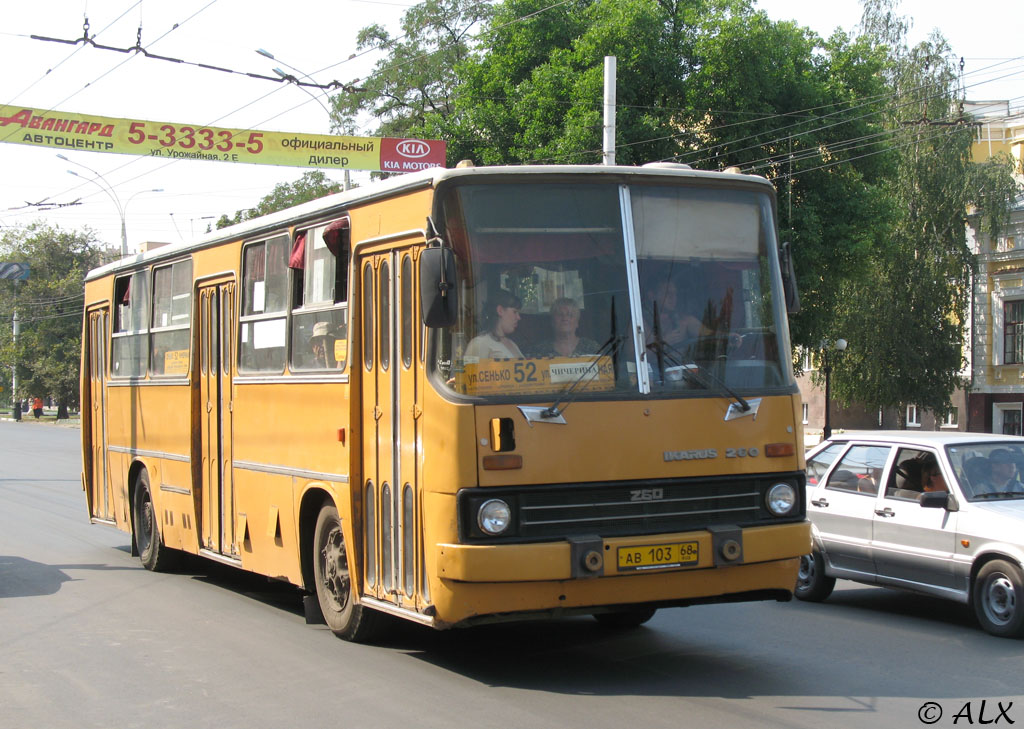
937,513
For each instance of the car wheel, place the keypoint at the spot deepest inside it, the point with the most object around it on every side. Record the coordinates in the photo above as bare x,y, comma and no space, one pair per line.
812,584
998,594
334,588
624,619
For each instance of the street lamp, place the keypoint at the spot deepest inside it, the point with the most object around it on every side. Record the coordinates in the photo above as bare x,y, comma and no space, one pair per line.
109,190
289,78
826,367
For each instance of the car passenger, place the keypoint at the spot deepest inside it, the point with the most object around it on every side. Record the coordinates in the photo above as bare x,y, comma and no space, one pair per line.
1003,475
931,476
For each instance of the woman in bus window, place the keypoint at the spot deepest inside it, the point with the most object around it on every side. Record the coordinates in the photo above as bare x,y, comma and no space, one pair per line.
501,317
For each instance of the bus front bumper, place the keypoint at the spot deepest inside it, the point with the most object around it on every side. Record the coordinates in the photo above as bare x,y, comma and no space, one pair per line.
562,560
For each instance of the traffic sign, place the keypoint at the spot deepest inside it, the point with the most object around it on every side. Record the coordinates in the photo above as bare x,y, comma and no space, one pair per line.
17,271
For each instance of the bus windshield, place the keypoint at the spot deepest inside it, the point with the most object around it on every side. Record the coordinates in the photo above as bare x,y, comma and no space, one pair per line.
650,290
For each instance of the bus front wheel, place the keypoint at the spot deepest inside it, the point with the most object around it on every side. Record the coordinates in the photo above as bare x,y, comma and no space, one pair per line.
154,555
334,588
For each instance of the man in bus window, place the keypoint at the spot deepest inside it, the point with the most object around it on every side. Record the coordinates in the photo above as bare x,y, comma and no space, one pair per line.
322,344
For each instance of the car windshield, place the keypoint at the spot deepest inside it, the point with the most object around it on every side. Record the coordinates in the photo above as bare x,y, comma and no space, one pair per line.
566,286
988,471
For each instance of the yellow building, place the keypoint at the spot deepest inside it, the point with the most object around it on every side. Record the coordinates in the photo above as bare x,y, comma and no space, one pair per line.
996,356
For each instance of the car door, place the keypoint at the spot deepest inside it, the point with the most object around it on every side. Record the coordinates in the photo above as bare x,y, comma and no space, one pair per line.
842,509
913,546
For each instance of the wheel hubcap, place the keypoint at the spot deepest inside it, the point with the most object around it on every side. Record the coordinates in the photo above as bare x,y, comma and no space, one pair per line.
999,599
336,578
806,573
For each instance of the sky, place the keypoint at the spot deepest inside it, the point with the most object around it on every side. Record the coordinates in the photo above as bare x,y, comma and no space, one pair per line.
312,38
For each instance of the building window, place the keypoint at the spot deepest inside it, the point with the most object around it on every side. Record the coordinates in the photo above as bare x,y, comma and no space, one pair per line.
807,364
805,413
913,417
952,419
1013,332
1011,422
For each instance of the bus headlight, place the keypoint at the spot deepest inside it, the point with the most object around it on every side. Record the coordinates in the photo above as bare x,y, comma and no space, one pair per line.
781,499
493,517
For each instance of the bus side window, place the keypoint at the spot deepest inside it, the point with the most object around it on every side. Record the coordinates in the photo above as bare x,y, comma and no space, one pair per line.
264,296
130,345
170,329
319,321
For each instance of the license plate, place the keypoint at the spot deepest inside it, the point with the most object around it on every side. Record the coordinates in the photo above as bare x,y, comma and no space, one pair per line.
658,556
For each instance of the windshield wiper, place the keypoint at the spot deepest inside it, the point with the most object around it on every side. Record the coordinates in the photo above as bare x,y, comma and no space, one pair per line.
1000,495
702,375
610,347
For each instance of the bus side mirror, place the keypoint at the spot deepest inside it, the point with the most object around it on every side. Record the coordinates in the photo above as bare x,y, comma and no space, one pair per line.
789,288
438,293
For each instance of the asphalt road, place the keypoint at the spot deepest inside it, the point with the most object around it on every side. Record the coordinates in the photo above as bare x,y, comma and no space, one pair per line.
90,639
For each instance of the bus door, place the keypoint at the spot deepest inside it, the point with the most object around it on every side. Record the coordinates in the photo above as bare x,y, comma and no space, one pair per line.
216,498
390,419
101,502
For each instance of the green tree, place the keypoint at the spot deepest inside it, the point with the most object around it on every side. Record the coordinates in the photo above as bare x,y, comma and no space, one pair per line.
312,185
419,74
905,314
49,306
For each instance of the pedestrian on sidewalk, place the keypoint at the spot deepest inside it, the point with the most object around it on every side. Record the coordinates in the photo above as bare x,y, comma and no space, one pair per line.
37,407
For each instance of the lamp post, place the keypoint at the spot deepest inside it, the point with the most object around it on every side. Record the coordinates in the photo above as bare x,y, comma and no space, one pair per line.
826,367
109,190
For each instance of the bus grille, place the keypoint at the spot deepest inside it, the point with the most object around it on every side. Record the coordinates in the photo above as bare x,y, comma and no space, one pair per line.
632,508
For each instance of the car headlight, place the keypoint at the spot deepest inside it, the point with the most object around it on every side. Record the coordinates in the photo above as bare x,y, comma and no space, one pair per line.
781,499
493,516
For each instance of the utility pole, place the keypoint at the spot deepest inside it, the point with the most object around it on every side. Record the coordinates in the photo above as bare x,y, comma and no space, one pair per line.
15,404
608,146
18,272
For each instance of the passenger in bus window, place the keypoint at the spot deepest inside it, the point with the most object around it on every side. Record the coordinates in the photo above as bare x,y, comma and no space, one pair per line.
671,328
565,342
501,317
322,344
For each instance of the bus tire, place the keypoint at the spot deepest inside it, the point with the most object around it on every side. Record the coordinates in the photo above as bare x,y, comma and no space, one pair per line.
152,552
998,599
334,588
812,584
625,619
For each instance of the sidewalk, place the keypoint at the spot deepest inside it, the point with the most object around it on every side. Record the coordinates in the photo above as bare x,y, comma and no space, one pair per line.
49,417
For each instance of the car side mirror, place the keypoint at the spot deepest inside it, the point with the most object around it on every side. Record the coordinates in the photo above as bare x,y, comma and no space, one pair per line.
939,500
438,290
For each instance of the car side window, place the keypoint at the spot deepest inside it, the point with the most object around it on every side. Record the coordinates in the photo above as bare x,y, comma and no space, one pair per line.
859,470
818,466
905,478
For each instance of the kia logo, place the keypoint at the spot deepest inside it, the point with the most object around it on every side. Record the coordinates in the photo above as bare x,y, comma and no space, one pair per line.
413,148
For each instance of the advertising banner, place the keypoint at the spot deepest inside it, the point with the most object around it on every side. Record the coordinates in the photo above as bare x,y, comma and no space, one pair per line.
62,130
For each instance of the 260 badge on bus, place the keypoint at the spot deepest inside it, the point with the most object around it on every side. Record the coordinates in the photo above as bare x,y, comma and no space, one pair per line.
658,556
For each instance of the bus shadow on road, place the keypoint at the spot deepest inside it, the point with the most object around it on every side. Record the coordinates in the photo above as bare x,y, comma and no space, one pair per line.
20,577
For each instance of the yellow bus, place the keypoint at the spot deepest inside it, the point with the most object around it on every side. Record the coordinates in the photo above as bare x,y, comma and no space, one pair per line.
462,396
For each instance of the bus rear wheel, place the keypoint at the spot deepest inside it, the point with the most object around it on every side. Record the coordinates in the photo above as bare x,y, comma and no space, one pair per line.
152,552
334,588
